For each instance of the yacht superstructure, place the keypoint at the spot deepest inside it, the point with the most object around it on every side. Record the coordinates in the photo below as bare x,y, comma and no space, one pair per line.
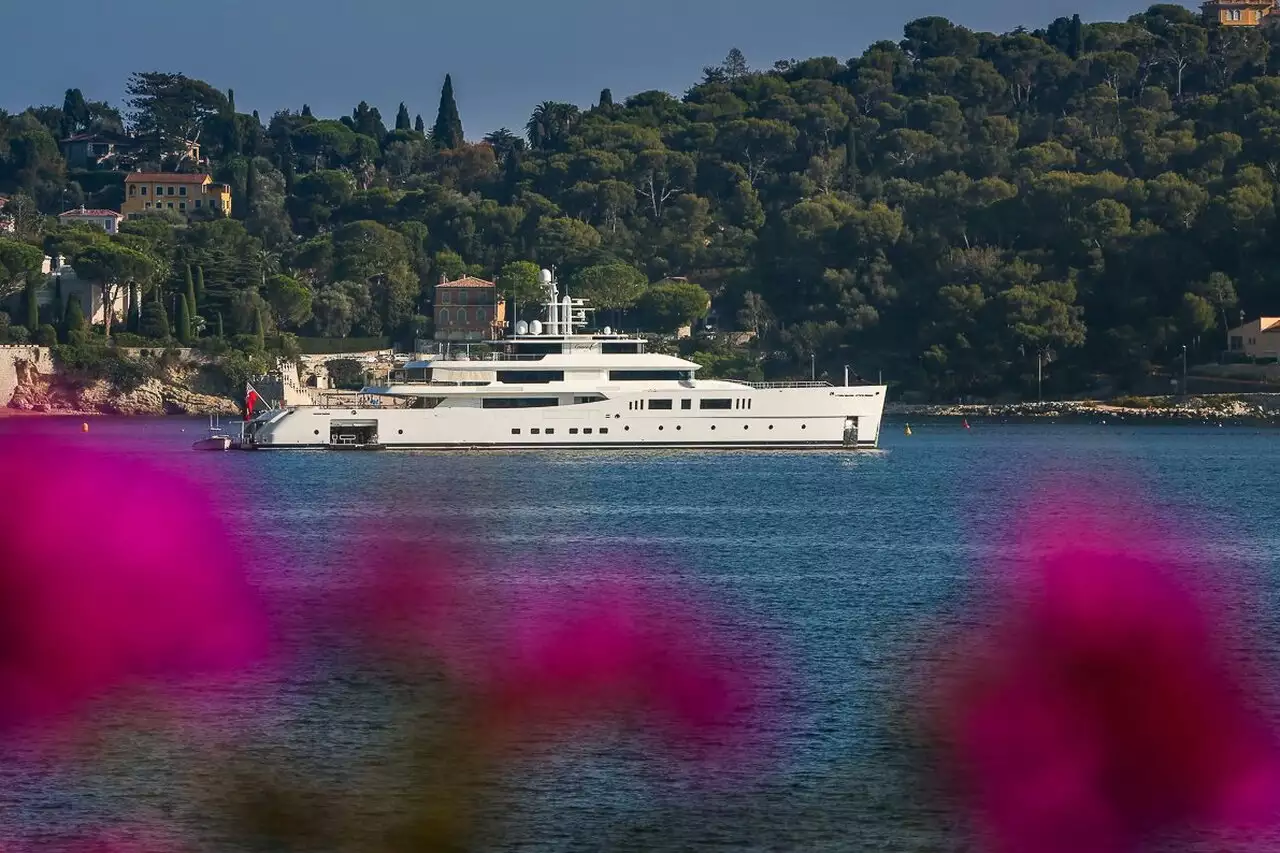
548,385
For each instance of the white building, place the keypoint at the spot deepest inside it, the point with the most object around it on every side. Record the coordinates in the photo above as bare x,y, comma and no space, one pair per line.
63,283
107,220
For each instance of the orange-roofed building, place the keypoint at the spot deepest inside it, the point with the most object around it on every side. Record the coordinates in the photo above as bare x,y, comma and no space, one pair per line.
177,191
1238,13
468,309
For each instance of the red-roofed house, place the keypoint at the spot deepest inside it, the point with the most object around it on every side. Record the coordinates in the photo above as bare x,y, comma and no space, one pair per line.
468,309
107,220
177,191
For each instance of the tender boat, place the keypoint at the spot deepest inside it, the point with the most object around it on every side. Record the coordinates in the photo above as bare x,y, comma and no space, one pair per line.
548,386
216,440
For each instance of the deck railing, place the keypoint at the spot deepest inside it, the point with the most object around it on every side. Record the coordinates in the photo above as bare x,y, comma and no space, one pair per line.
767,386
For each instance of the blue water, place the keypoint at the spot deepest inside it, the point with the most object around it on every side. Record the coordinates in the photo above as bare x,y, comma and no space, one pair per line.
844,563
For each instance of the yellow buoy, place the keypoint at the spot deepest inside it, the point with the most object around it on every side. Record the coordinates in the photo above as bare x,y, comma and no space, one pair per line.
907,431
84,426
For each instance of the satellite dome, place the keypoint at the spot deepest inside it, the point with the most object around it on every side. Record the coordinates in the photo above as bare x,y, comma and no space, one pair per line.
522,328
535,328
545,276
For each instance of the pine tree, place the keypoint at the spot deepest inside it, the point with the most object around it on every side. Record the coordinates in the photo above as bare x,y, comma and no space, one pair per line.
448,129
199,285
72,316
606,98
32,309
403,122
419,125
184,321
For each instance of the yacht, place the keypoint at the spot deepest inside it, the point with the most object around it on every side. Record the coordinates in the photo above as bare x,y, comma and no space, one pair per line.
549,385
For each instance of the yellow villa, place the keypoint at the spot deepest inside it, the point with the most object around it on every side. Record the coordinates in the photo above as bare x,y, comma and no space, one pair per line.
179,192
1238,13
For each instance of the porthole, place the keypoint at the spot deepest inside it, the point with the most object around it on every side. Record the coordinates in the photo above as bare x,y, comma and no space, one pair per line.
770,426
659,429
626,429
746,426
713,426
317,432
678,426
802,426
399,432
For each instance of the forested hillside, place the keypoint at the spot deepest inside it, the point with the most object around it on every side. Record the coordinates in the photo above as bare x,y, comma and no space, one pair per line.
946,208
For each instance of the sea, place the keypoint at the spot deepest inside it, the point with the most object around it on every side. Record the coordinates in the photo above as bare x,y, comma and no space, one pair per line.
846,566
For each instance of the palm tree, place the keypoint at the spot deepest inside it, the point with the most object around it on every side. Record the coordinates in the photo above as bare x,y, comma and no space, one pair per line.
503,142
551,124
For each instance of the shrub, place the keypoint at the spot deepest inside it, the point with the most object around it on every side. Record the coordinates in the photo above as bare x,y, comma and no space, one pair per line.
47,336
18,335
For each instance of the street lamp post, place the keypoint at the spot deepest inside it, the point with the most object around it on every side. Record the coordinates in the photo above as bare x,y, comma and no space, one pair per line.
1039,375
1184,370
813,367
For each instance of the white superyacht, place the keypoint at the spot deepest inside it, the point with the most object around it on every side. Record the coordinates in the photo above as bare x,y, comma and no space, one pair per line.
549,385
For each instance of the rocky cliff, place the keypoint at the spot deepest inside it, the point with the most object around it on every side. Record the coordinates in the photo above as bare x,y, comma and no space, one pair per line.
1218,408
39,386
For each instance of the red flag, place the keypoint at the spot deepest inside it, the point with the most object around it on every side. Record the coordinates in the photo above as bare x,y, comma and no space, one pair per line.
250,398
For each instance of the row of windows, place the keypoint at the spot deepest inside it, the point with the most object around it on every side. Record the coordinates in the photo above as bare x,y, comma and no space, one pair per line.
443,318
605,430
518,402
182,205
532,377
720,403
142,190
479,296
551,431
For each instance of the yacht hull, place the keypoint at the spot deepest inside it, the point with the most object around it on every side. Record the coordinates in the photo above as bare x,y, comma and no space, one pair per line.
781,419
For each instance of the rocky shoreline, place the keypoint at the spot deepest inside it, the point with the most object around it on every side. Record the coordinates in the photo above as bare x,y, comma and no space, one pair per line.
1215,409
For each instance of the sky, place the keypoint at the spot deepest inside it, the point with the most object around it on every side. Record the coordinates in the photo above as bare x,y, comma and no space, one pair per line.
504,56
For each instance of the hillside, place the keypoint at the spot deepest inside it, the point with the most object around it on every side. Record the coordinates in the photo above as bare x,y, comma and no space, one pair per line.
947,209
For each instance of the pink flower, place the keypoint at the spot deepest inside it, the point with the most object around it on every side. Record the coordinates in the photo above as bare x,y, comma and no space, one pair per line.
599,648
113,572
1103,706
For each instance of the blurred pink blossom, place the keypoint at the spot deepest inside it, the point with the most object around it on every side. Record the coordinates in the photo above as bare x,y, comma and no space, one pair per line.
533,653
113,572
1102,705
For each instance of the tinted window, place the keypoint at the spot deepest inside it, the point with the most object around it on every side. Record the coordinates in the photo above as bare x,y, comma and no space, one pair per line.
724,403
619,348
530,377
518,402
660,404
648,375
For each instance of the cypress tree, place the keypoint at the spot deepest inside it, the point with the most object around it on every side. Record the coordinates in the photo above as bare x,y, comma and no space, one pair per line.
419,125
189,284
448,129
258,331
403,122
306,110
250,187
606,98
72,316
851,156
190,298
220,332
1077,37
184,321
133,317
33,309
199,285
154,321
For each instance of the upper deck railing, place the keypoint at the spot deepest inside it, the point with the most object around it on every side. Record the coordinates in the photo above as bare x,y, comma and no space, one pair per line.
766,386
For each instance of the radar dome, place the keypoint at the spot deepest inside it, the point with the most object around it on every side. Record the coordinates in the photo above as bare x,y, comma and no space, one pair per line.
522,328
535,328
608,331
545,276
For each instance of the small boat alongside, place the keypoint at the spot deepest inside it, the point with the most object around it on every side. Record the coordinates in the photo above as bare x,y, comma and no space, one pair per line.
216,440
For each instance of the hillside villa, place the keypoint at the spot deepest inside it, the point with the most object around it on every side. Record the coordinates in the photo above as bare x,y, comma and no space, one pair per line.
177,191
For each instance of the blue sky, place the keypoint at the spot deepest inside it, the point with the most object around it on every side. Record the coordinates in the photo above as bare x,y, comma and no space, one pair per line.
504,56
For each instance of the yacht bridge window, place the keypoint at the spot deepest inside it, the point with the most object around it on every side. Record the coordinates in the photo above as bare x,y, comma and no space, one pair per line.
621,347
518,402
648,375
536,348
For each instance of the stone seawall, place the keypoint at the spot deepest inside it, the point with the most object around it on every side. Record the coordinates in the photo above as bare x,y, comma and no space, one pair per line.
17,362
